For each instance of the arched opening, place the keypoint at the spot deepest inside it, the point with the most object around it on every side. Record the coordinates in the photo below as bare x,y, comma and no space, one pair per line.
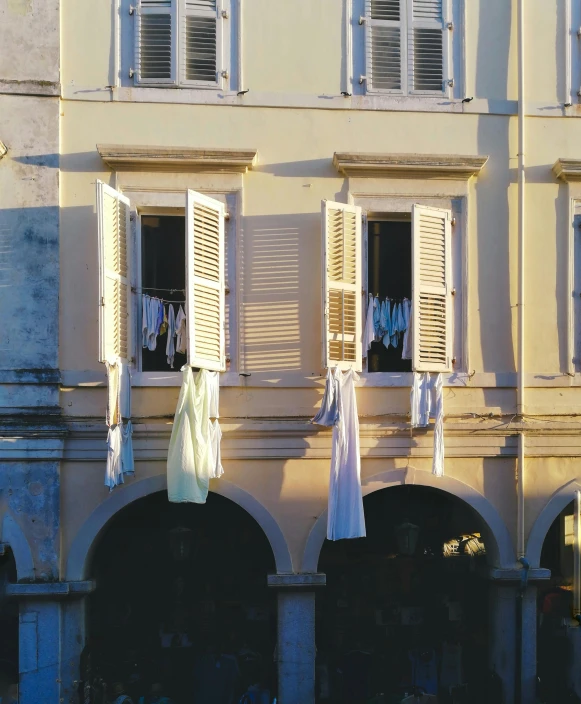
558,636
407,606
8,630
181,603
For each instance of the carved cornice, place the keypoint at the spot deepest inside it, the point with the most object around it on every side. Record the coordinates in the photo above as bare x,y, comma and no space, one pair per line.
567,170
177,159
461,168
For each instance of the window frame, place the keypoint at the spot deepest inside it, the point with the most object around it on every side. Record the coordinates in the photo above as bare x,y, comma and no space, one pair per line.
144,202
391,207
452,51
129,77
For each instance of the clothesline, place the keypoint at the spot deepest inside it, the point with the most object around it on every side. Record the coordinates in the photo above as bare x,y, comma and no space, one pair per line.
151,288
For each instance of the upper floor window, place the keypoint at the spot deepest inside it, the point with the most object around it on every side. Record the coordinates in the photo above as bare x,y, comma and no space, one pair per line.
181,43
408,45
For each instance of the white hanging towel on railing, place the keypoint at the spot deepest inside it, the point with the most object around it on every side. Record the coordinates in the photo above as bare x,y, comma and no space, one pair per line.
193,456
427,401
346,518
119,436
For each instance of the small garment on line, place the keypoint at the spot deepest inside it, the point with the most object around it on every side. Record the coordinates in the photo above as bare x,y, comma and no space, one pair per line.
145,299
369,331
170,347
438,405
152,327
193,456
181,336
160,316
346,517
407,351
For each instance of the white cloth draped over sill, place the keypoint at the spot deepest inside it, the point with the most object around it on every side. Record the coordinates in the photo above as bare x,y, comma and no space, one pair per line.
194,448
119,436
427,401
346,518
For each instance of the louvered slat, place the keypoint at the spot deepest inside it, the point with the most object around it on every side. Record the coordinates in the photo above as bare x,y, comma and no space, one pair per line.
385,10
200,4
115,290
205,282
431,289
427,9
342,284
428,69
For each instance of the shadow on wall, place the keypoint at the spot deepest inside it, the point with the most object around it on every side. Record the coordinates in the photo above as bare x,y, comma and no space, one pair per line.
492,231
280,289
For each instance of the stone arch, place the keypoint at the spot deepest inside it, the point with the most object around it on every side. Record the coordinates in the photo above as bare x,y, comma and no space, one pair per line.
13,535
499,543
558,501
81,550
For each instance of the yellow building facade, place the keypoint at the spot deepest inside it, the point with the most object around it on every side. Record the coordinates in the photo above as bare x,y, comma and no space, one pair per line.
304,103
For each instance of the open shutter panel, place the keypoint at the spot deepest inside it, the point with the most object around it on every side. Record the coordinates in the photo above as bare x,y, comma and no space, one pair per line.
200,41
341,285
155,45
426,46
384,45
205,282
114,285
432,293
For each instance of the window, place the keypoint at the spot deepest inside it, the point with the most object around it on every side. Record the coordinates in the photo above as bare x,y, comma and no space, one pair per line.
408,257
407,46
180,43
184,254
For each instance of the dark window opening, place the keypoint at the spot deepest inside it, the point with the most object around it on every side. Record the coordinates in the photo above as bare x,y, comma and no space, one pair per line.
8,631
163,268
389,275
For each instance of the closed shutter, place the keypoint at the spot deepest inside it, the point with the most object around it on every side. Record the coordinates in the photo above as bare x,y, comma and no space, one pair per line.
385,30
426,46
432,290
200,41
155,42
342,326
205,282
114,282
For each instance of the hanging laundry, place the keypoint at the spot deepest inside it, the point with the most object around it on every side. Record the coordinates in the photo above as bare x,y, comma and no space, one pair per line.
160,316
346,518
369,330
438,406
215,431
152,323
120,459
181,337
376,317
407,351
163,327
384,318
421,400
192,460
170,348
145,318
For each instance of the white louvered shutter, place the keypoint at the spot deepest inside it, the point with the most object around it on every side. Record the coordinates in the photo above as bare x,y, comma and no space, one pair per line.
205,282
200,42
155,42
432,289
426,46
342,327
384,34
114,228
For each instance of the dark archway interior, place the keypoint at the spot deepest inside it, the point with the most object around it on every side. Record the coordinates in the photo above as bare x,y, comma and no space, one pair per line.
8,629
558,638
181,602
407,605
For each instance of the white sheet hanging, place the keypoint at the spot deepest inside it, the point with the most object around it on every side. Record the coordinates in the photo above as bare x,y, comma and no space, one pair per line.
194,448
120,459
421,400
346,518
427,401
